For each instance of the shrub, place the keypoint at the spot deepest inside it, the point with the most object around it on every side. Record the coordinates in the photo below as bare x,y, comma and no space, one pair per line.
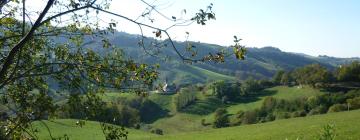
203,122
337,108
270,117
313,102
221,118
137,126
328,133
127,116
318,110
236,120
301,113
269,104
249,117
354,103
157,131
282,115
225,99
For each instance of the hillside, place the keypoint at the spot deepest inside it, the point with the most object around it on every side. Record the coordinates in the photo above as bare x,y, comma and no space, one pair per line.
303,128
186,124
259,63
189,119
306,128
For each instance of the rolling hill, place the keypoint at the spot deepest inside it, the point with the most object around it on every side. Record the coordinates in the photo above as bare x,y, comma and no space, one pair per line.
295,128
185,124
259,62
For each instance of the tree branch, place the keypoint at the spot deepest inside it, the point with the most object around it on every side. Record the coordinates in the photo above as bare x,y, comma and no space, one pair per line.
9,59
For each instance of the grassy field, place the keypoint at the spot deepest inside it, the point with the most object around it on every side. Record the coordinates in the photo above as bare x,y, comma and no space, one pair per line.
346,125
194,74
280,92
305,128
90,131
189,119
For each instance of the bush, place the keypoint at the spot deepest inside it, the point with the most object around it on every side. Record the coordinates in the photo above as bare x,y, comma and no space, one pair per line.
203,122
225,99
269,104
137,126
354,103
127,116
282,115
318,110
236,120
301,113
337,108
221,118
313,102
269,117
157,131
328,133
249,117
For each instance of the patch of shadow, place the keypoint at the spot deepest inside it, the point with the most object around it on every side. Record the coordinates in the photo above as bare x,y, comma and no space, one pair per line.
252,97
151,112
203,107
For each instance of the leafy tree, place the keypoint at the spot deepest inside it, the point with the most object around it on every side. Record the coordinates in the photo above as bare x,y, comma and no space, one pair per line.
221,118
349,72
226,91
52,46
185,97
286,79
312,74
337,108
278,76
353,103
250,86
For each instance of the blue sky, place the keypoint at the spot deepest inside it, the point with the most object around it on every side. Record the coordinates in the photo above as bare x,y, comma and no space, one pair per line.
314,27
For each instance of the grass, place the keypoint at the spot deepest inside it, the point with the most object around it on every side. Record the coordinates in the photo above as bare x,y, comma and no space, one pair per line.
179,123
90,131
164,101
346,124
194,74
111,96
187,124
189,119
280,92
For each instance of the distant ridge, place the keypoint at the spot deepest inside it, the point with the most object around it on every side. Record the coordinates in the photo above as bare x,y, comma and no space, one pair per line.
260,62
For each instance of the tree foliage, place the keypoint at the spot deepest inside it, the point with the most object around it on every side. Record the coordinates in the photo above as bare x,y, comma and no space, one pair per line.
223,90
312,74
221,118
349,72
185,97
50,50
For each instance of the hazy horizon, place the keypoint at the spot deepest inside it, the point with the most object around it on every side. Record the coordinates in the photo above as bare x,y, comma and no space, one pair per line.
323,27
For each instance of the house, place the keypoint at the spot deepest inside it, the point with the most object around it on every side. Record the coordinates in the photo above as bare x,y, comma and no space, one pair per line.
169,88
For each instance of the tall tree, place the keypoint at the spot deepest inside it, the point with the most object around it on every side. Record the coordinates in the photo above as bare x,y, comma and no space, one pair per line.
349,72
52,46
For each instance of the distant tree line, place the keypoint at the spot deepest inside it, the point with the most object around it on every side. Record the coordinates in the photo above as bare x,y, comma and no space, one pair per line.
185,97
275,109
124,111
341,83
233,91
317,76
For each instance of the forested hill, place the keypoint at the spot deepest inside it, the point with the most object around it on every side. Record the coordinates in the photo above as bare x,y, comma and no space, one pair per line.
259,63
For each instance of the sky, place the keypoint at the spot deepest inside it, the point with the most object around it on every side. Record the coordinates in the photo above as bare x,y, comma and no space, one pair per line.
314,27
